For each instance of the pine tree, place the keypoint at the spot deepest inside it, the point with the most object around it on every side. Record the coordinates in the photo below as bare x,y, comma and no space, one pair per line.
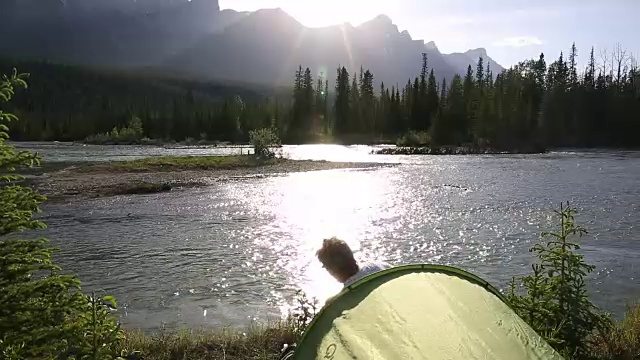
298,109
469,104
590,73
43,314
355,117
455,110
342,102
573,72
418,123
309,105
325,102
480,74
432,99
441,130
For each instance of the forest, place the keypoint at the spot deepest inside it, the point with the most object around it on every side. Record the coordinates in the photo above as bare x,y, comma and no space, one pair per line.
538,102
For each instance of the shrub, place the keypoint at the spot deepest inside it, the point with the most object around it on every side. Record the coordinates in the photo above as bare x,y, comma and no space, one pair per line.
263,140
414,138
555,302
301,316
133,133
42,312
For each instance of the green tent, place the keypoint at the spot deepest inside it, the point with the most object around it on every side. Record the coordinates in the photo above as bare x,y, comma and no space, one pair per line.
420,312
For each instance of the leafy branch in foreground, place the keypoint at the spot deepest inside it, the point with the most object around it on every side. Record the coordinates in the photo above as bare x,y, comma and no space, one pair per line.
555,302
43,314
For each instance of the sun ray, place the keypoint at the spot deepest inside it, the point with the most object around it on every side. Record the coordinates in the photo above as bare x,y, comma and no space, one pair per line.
288,65
347,46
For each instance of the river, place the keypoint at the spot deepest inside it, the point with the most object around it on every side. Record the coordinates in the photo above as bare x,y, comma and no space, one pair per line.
236,252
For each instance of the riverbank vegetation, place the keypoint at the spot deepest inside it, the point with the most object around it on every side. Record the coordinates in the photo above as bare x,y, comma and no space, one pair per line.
181,163
45,314
75,181
536,104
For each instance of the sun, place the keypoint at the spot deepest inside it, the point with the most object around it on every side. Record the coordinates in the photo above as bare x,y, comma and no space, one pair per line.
319,13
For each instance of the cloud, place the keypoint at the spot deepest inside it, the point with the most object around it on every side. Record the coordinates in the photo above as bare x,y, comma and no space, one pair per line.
518,41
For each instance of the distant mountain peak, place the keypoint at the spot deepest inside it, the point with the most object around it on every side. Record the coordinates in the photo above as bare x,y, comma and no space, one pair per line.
195,37
381,23
431,45
477,52
209,4
382,19
276,13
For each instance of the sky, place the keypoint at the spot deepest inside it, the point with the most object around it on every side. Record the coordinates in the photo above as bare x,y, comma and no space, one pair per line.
510,30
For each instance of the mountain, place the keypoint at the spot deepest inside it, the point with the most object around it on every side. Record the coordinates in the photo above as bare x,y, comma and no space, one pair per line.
463,60
116,33
195,37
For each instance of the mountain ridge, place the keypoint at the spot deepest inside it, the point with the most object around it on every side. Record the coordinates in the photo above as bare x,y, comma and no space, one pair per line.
197,37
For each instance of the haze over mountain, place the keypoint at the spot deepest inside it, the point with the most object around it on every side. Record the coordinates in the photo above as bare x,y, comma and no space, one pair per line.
197,38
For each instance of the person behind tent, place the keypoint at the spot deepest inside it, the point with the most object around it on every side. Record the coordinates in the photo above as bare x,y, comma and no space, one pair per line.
337,258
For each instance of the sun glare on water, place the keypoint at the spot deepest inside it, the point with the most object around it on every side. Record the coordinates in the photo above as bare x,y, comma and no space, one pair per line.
310,207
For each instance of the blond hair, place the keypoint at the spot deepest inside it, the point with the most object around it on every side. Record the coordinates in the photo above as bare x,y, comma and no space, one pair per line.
337,257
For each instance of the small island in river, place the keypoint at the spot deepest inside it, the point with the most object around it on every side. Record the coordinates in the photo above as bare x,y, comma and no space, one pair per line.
456,150
66,181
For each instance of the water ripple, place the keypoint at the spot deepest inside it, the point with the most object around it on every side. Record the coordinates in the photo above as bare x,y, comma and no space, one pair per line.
237,251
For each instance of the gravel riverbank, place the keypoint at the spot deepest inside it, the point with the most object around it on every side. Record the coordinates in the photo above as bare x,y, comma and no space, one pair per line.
66,182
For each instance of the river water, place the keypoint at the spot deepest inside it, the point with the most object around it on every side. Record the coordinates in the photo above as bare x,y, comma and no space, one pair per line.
236,252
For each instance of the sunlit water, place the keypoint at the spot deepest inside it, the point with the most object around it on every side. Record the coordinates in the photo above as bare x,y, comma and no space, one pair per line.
235,252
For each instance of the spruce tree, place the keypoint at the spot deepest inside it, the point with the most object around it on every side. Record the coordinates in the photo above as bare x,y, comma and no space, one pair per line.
432,99
43,315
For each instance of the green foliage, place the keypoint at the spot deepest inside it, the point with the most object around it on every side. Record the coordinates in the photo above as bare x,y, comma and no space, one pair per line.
100,333
257,342
42,312
133,133
620,341
264,342
176,163
555,302
414,138
303,313
263,140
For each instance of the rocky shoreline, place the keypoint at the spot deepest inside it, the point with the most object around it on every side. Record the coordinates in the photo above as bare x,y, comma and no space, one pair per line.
68,182
456,150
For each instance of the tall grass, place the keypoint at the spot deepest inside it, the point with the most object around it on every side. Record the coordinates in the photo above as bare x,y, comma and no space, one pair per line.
621,341
258,342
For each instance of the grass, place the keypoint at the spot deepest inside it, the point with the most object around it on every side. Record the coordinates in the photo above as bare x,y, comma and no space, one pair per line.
255,343
173,163
266,342
622,341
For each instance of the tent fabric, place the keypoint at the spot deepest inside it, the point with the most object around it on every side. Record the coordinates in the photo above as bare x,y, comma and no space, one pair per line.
420,312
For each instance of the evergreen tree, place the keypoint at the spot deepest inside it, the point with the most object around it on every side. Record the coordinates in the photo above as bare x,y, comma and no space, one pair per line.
355,115
417,121
480,74
455,111
432,99
529,104
43,315
342,102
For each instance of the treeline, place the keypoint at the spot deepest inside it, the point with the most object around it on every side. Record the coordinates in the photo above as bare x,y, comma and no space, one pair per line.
531,104
70,103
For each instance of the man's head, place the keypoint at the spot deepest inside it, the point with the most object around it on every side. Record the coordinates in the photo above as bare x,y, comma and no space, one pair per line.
336,256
